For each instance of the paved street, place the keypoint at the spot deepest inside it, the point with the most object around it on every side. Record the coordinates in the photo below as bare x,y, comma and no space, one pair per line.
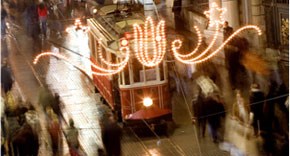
81,104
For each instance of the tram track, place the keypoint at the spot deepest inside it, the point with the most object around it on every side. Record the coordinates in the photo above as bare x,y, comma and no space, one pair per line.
132,143
151,145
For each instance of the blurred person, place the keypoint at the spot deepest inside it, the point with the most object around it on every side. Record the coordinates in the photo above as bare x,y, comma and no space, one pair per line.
54,130
257,100
241,109
42,14
269,108
273,58
275,127
31,20
227,31
3,21
55,26
56,106
6,77
25,141
215,114
111,136
198,110
233,56
45,97
72,135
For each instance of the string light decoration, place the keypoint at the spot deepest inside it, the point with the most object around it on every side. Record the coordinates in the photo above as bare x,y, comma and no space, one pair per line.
200,57
100,71
150,44
215,15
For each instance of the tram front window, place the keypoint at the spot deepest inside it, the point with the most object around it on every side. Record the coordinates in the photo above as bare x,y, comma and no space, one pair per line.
149,75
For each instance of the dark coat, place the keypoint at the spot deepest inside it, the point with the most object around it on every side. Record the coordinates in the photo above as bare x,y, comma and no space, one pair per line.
6,79
199,112
25,141
31,21
112,138
227,31
214,112
54,131
257,98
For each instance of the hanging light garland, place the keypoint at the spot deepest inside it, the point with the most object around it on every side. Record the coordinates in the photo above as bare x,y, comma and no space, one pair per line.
99,70
206,54
150,44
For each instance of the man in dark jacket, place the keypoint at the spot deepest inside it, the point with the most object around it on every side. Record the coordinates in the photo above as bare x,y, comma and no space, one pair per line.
112,137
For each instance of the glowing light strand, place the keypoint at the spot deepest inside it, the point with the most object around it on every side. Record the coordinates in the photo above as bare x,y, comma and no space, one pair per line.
103,71
100,54
179,42
175,48
143,40
205,55
209,46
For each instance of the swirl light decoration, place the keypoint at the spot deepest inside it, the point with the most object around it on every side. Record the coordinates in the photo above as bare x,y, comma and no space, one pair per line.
196,56
150,44
112,68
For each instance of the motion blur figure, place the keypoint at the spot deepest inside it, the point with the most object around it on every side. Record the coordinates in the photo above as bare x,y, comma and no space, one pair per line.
6,77
111,136
72,139
198,110
215,115
257,99
42,14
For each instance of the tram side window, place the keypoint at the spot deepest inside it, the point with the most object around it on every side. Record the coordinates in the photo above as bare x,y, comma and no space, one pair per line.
126,75
114,59
161,68
150,74
137,67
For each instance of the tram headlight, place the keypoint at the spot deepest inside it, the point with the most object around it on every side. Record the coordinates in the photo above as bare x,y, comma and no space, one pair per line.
147,101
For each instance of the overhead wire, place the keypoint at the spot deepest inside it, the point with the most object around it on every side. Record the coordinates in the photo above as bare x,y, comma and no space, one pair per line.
255,103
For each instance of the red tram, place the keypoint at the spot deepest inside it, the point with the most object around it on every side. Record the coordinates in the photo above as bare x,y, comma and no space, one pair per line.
131,91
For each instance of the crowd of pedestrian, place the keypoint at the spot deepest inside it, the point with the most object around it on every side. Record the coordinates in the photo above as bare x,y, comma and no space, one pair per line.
18,134
262,110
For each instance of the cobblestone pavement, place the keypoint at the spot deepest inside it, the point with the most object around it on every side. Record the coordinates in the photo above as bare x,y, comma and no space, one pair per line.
62,79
